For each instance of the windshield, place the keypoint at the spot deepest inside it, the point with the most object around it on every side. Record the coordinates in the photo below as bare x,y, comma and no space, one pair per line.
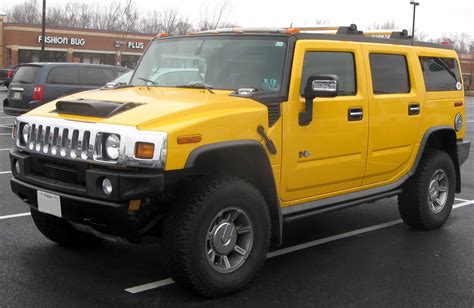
227,63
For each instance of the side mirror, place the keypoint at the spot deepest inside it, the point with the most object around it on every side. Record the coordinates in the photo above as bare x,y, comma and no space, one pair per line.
317,86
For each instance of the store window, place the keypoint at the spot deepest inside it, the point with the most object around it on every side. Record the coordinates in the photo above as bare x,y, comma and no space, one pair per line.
130,61
29,56
94,58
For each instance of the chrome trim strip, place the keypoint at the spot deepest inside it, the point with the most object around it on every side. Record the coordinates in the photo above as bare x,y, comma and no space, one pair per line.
79,141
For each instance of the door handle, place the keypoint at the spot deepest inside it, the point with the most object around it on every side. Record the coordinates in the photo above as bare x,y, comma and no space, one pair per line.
355,114
414,109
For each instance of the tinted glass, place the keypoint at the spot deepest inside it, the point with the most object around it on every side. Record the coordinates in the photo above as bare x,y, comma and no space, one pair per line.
340,64
441,74
389,74
26,74
95,76
220,62
64,75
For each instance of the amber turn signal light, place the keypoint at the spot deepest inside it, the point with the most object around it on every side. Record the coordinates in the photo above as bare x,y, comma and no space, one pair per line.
144,150
189,139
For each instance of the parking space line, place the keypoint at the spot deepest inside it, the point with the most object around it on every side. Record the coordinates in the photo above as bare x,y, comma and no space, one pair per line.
6,126
5,149
276,253
5,172
14,216
150,286
7,134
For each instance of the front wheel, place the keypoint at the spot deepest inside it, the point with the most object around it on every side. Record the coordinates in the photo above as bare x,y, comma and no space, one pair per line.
216,239
428,197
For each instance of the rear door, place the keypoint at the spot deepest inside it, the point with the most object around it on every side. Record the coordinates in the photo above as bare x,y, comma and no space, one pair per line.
20,91
62,81
396,103
96,77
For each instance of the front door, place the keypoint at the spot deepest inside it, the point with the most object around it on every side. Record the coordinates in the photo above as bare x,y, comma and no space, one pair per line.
328,156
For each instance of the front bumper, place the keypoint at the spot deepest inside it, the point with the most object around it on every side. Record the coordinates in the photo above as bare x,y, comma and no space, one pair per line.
85,203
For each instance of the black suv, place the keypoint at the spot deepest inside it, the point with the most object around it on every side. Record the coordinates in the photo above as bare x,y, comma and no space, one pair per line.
37,83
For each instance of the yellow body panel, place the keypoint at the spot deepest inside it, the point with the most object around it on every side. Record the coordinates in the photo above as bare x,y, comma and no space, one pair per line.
344,156
179,112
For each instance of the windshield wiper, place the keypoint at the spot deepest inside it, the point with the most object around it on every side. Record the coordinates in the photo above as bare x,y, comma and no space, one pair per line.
149,81
197,85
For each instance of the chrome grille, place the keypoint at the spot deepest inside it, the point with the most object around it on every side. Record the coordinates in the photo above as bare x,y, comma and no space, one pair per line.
61,141
84,141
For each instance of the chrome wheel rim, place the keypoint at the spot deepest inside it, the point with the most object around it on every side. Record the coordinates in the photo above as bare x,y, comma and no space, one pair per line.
229,240
438,191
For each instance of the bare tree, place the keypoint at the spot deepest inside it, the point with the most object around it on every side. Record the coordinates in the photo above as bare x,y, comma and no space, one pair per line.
26,12
213,17
462,42
120,16
387,25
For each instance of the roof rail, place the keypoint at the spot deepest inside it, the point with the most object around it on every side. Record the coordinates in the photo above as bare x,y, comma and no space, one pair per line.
351,30
344,30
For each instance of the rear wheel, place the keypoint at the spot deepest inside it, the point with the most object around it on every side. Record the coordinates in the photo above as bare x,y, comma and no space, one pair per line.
216,239
428,197
60,231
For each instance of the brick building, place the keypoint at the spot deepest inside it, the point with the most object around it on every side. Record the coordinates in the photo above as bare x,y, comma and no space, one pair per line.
21,43
467,67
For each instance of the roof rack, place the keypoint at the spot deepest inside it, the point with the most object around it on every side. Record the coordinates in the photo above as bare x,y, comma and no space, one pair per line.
341,30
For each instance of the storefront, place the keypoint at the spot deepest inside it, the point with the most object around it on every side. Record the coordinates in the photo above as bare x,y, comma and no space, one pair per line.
20,43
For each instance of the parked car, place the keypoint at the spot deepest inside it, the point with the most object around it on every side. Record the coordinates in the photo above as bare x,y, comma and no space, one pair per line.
9,76
37,83
120,81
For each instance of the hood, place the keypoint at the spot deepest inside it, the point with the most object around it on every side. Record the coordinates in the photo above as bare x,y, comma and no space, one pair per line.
156,106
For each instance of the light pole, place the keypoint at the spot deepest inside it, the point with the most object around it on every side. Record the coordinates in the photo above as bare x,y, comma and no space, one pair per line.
43,31
415,4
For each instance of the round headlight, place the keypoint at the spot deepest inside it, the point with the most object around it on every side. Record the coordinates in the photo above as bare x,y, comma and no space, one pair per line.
458,122
112,147
25,131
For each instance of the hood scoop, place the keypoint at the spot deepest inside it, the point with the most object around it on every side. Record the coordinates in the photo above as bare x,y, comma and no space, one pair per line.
93,108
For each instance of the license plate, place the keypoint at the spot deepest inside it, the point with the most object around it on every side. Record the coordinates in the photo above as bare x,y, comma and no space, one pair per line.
49,203
17,95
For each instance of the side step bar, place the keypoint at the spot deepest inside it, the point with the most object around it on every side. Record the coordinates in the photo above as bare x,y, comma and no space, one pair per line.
310,210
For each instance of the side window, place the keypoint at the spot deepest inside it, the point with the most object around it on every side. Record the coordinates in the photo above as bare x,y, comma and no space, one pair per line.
389,74
441,74
341,64
64,75
95,76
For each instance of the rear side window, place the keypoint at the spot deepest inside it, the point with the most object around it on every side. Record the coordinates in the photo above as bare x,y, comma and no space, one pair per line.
441,74
26,74
64,75
331,63
389,73
95,76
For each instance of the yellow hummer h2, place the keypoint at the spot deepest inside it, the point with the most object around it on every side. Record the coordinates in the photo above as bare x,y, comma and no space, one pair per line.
223,136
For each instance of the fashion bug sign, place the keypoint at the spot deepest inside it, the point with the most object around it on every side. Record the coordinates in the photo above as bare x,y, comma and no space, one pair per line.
59,40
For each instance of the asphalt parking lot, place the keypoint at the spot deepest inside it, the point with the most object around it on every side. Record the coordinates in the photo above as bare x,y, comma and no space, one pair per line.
362,256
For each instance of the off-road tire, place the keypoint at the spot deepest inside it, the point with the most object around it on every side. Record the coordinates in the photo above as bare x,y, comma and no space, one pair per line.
186,228
61,232
413,203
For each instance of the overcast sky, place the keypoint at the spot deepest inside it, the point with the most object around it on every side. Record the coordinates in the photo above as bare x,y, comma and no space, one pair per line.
434,17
